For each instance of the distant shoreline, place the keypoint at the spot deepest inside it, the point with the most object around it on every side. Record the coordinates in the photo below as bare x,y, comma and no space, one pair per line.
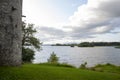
90,44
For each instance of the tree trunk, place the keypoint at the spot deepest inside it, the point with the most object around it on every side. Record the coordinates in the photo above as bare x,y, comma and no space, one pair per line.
10,32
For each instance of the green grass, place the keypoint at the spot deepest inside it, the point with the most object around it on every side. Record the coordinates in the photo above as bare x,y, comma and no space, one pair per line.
48,72
107,68
58,65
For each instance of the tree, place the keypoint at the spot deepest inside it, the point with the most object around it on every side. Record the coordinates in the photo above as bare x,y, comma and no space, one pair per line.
53,58
29,42
27,55
10,32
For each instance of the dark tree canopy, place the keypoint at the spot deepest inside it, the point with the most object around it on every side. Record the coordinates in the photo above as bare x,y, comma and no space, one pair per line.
29,42
28,36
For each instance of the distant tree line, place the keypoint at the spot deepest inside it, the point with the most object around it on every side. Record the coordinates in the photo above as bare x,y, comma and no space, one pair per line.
90,44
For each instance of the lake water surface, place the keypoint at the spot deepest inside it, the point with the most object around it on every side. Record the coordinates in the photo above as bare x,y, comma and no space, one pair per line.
78,55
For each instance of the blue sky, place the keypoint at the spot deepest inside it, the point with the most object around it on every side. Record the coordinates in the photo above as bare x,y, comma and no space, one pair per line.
65,21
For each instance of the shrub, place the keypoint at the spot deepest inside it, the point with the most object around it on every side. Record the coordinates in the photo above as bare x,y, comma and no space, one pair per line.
108,64
27,55
53,58
83,66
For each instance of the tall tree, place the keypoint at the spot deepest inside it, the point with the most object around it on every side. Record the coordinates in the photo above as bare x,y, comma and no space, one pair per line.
10,32
29,42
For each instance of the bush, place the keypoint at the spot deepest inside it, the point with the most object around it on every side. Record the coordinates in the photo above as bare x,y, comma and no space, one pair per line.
83,66
53,58
108,64
27,55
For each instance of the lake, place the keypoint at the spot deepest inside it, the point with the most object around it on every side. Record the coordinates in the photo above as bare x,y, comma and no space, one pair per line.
78,55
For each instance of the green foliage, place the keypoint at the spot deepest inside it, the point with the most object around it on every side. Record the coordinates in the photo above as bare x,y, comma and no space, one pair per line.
29,41
72,45
83,66
27,54
85,44
45,72
91,44
28,36
53,58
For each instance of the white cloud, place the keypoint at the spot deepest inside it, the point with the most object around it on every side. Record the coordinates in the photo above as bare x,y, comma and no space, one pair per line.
91,19
96,17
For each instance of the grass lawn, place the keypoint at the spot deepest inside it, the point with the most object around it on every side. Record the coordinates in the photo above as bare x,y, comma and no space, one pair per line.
107,68
48,72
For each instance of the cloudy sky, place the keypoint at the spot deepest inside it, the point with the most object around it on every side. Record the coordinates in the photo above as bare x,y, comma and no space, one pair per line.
70,21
